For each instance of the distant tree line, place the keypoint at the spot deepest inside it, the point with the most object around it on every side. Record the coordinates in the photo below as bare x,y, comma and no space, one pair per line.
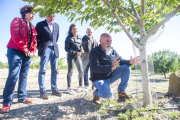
35,63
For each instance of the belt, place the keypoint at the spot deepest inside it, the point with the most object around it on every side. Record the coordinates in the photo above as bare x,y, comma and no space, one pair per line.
51,45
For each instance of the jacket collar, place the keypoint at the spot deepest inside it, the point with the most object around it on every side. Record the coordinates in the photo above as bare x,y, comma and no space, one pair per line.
87,37
46,24
33,29
100,48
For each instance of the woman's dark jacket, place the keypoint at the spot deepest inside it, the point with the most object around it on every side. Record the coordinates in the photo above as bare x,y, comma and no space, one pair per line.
73,45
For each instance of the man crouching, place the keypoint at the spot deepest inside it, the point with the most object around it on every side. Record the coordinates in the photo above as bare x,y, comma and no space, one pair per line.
103,62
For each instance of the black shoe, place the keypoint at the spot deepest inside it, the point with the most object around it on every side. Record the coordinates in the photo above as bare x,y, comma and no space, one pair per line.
57,93
44,95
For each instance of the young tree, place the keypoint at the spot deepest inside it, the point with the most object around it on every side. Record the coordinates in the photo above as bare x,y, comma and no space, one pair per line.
165,61
142,17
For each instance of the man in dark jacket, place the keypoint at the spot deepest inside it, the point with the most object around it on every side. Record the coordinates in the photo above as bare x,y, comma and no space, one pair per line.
103,62
88,42
48,34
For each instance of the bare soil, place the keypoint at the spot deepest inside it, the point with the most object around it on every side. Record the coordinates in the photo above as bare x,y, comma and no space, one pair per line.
74,107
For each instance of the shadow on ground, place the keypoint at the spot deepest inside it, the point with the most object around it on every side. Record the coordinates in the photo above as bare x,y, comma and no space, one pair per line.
75,106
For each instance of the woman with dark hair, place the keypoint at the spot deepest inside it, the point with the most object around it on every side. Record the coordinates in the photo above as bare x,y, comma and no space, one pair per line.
20,49
73,47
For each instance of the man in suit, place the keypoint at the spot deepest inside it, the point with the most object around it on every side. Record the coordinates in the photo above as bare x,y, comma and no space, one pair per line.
48,33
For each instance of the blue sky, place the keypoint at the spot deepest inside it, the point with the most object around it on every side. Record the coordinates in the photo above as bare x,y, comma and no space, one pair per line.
9,9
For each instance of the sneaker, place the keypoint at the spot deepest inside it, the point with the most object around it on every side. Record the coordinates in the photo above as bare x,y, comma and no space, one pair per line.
28,100
70,91
123,96
57,93
96,99
80,89
44,95
86,89
5,109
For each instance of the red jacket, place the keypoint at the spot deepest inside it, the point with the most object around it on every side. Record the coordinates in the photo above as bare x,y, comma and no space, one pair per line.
20,36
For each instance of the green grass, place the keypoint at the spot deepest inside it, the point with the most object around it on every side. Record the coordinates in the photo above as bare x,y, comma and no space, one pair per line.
103,108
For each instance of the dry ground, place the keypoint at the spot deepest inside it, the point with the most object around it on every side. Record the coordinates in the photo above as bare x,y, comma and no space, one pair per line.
74,107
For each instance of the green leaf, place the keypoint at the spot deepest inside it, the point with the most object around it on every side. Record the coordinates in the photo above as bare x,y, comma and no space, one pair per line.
37,8
36,3
82,19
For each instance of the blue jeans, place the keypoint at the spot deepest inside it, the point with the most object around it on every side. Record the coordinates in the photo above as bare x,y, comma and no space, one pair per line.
85,63
103,86
47,55
18,68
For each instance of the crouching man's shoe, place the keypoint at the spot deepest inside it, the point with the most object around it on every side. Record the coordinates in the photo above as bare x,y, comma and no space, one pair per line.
122,96
96,99
5,109
57,93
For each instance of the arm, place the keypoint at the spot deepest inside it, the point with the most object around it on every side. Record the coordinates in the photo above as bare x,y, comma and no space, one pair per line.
38,37
34,47
68,45
122,60
95,43
34,41
135,60
95,64
57,34
14,28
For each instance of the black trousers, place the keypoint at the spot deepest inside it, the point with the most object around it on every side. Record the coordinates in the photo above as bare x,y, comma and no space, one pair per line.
71,59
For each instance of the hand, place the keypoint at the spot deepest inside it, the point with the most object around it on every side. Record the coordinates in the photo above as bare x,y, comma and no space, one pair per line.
31,55
115,63
78,54
27,53
82,50
135,60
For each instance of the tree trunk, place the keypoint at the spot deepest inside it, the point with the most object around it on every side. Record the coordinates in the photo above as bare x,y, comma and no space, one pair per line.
164,75
147,99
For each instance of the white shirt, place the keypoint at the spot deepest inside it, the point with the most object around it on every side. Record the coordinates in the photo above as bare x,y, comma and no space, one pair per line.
51,29
50,26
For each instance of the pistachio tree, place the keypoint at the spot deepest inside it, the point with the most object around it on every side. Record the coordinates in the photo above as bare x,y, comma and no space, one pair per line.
143,17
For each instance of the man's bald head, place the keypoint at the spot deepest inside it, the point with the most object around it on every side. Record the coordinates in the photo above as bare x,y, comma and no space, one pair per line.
104,35
105,41
89,32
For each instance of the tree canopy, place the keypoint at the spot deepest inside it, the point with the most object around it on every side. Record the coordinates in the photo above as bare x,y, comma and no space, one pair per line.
165,61
99,13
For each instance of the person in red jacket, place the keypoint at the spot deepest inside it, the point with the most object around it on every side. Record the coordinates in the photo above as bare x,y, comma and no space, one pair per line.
20,49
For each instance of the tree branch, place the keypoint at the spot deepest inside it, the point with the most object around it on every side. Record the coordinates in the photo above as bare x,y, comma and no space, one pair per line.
127,13
142,28
173,13
160,10
142,8
116,4
121,24
71,3
134,10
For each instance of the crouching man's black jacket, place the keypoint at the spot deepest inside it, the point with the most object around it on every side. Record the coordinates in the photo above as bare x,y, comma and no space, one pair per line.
101,64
